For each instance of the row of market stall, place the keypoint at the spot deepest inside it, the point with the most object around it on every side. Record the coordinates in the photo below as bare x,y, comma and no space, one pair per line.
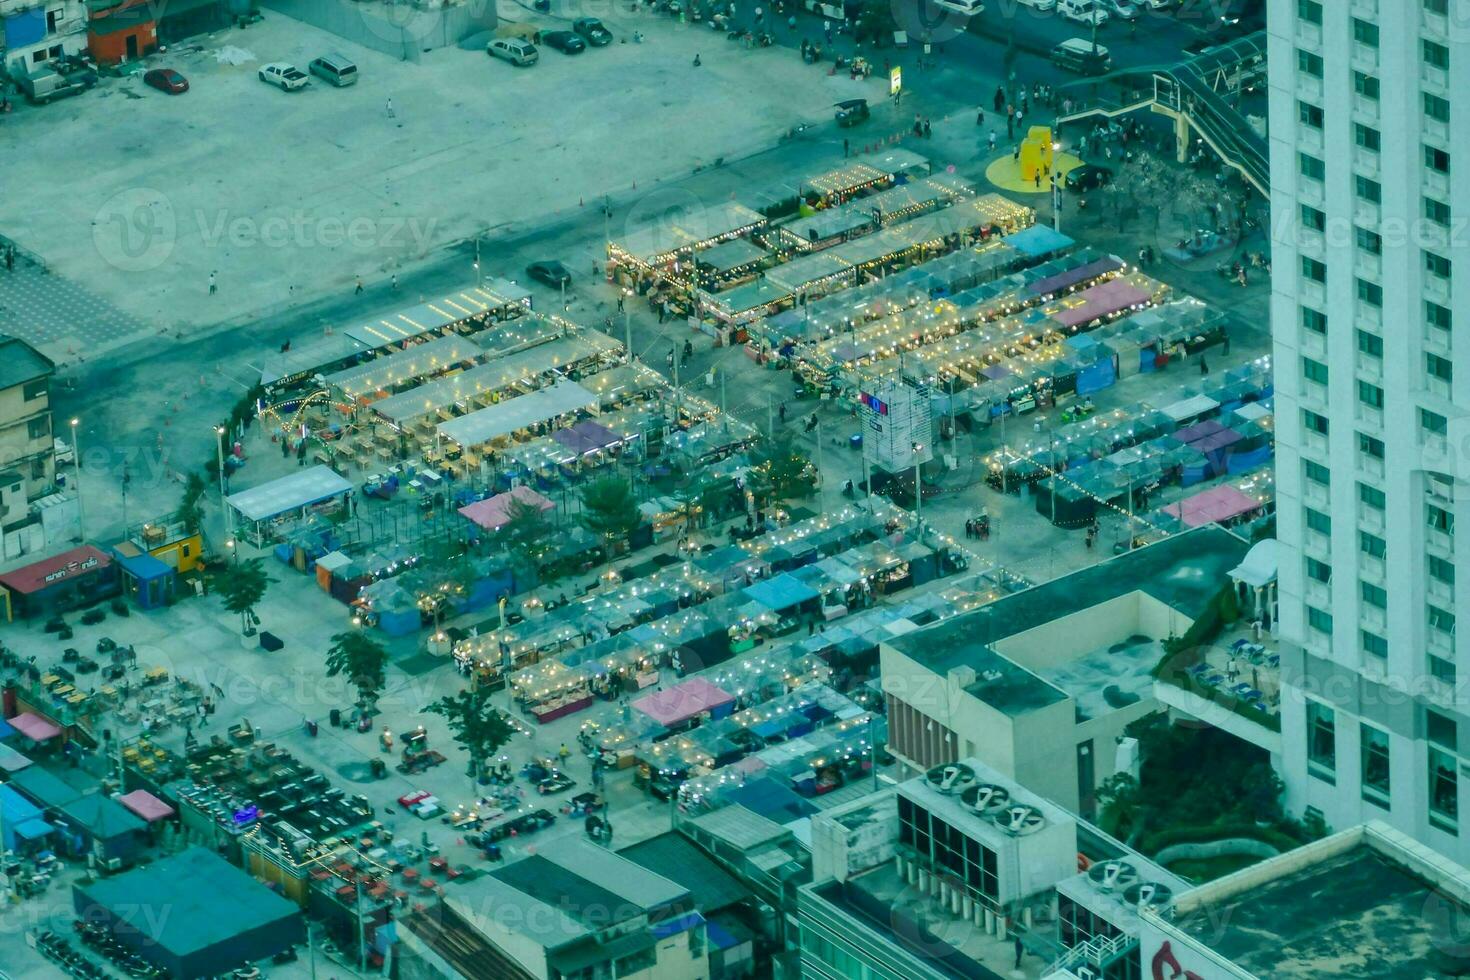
300,369
1120,458
688,616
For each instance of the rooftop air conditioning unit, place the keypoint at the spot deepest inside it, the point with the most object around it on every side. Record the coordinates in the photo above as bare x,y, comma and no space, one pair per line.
950,779
986,798
1019,820
1111,876
1148,894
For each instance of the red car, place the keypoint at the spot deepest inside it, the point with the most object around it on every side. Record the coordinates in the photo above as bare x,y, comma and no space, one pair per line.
166,80
410,800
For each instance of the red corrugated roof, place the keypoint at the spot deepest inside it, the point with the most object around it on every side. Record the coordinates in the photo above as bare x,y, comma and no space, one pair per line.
58,568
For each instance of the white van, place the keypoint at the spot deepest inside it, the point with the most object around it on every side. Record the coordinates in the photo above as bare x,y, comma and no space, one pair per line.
517,51
335,69
967,7
1082,56
1083,11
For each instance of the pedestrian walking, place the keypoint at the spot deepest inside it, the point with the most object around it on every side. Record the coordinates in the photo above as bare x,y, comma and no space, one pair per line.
999,100
1026,103
620,302
827,30
358,290
1225,343
1082,146
1019,116
391,113
979,117
928,130
1203,367
10,259
992,141
1020,951
395,282
1038,180
783,413
845,148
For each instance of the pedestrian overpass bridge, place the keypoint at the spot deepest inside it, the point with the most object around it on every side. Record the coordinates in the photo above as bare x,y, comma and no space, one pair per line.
1202,95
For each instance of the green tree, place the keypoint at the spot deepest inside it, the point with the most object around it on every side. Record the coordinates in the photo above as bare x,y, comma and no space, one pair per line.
780,470
191,512
241,587
363,660
698,498
609,510
527,534
875,23
442,574
478,726
1118,805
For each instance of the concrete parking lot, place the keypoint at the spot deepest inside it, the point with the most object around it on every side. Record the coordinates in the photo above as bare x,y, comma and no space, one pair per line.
287,197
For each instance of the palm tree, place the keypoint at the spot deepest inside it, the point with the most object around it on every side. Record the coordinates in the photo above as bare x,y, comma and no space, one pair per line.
478,726
363,660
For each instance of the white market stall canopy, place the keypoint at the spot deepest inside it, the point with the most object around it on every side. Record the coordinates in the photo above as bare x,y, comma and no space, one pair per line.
424,317
478,428
493,376
405,365
301,489
654,243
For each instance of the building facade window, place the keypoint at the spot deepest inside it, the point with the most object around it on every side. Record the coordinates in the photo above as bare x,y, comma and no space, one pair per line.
1370,394
1374,645
1372,545
1444,791
1320,620
1314,320
1376,771
1366,85
1321,740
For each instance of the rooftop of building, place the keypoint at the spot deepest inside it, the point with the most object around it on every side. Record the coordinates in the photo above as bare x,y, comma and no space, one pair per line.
675,857
207,900
1183,572
882,901
572,892
1368,902
20,362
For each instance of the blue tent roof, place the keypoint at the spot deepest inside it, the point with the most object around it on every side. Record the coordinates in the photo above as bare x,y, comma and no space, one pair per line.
33,829
6,729
1038,240
675,925
719,937
771,800
144,567
781,592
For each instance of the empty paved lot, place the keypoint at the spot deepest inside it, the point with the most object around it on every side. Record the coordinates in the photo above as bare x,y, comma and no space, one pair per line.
290,196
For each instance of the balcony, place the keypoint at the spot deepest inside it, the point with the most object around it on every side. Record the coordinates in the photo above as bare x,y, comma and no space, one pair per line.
1233,684
1365,58
1437,130
1365,107
1368,317
1435,80
1368,266
1309,35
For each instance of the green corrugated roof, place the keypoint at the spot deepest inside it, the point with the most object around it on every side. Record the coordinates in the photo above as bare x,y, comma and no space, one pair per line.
675,858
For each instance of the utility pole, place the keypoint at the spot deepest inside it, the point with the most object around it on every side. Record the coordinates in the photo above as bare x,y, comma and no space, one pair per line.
76,448
1056,203
770,414
219,454
820,475
918,492
479,270
628,334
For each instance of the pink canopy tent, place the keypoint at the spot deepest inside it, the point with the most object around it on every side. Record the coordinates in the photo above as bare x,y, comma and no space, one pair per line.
146,805
494,512
683,701
1220,504
34,727
1103,299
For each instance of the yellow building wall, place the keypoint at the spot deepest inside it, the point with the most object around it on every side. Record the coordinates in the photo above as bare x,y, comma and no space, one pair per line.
182,554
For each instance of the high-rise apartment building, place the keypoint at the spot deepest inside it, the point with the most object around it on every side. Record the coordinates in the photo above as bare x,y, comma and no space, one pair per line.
1370,151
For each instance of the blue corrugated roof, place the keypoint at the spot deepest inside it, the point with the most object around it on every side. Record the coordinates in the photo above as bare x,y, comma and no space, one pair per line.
677,925
1038,240
143,567
781,592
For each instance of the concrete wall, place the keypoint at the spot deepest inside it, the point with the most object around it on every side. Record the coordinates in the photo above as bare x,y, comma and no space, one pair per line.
1063,640
402,30
1046,753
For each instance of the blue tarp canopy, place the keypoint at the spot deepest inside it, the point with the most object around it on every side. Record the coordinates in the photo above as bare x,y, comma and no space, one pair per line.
780,593
771,800
6,729
718,936
144,568
20,818
676,925
1038,240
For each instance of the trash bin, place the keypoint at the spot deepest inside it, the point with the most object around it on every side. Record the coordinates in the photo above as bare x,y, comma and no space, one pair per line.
336,717
380,769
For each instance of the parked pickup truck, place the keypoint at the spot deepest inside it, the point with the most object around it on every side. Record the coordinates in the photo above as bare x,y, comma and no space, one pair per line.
46,85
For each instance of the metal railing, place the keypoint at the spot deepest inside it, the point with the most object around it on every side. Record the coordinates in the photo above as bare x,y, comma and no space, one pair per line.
1097,951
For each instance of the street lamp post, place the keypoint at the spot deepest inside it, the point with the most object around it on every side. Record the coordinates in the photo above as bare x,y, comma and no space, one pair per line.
918,491
76,448
219,453
479,270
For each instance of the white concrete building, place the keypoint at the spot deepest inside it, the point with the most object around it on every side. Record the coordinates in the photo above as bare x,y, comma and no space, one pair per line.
1371,316
33,32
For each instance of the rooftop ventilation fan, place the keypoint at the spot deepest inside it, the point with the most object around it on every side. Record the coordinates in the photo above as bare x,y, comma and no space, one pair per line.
952,778
1019,820
1148,894
1112,875
986,798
